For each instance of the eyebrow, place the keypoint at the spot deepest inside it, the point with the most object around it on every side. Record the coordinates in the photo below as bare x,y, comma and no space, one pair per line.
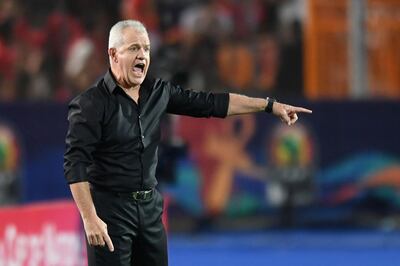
139,45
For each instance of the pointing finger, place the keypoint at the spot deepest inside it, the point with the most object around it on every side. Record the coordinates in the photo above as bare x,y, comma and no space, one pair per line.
300,110
109,242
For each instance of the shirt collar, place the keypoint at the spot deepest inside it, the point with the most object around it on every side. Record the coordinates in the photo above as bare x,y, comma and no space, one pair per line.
110,81
112,84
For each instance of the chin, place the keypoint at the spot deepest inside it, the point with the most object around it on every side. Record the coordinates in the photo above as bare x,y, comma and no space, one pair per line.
137,81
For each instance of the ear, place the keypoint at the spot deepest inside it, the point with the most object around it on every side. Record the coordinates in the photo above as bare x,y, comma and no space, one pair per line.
112,53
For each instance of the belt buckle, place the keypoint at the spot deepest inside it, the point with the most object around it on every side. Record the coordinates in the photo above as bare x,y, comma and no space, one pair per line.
140,195
137,195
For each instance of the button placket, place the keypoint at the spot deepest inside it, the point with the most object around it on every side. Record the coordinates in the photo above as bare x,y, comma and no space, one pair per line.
140,126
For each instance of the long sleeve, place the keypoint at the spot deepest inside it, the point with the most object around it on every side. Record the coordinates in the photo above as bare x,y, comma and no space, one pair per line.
83,134
197,104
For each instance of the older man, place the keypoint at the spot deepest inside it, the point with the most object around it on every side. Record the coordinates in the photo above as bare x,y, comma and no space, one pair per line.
111,155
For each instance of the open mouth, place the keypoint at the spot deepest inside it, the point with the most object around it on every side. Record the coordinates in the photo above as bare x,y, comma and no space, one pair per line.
139,67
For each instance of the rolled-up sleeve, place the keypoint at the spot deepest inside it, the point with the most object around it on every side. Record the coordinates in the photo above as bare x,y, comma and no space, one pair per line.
197,104
83,134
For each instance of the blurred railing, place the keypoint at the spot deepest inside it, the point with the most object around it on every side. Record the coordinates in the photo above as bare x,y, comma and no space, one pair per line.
326,49
383,42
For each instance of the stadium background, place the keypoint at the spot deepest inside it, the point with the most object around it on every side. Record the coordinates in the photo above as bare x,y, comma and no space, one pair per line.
241,190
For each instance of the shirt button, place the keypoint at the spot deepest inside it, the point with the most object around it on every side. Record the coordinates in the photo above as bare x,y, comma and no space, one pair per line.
139,116
142,136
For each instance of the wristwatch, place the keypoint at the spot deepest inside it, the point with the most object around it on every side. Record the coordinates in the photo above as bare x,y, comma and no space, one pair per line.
270,104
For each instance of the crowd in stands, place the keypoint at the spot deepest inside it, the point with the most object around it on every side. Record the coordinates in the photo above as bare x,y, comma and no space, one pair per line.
54,49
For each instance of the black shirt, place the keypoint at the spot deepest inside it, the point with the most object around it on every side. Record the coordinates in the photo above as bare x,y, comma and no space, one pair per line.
112,141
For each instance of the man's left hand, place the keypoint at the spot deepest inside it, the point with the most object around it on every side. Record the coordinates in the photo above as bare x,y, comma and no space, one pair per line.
288,113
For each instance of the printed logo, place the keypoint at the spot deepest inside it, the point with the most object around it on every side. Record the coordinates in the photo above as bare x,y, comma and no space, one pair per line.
9,165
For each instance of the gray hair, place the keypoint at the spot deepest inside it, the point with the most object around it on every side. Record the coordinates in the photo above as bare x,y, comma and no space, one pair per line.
116,38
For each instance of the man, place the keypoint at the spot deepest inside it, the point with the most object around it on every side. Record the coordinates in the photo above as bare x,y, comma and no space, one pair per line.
111,153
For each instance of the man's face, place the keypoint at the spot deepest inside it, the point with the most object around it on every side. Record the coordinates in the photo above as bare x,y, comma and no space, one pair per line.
132,58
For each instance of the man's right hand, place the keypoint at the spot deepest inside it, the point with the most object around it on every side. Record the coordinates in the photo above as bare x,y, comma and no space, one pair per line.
96,232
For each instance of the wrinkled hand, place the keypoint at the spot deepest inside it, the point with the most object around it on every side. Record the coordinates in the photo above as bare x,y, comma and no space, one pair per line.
96,233
288,113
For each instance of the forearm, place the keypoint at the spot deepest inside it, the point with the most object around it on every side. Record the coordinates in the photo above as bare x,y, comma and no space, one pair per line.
83,199
241,104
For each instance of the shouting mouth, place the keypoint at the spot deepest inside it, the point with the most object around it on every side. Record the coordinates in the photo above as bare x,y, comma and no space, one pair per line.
139,68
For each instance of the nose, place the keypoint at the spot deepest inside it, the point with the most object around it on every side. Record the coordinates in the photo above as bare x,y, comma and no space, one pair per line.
140,54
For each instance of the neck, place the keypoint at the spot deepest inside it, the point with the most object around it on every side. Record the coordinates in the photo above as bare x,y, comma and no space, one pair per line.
128,88
122,83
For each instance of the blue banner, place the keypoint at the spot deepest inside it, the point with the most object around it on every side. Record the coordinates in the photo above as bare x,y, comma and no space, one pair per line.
341,160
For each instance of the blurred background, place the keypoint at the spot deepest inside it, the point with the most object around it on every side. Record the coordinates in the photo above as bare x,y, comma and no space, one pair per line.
245,189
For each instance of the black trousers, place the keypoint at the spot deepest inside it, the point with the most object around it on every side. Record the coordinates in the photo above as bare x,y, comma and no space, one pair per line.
135,228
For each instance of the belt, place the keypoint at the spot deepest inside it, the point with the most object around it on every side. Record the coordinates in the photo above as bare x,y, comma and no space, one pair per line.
136,195
141,194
